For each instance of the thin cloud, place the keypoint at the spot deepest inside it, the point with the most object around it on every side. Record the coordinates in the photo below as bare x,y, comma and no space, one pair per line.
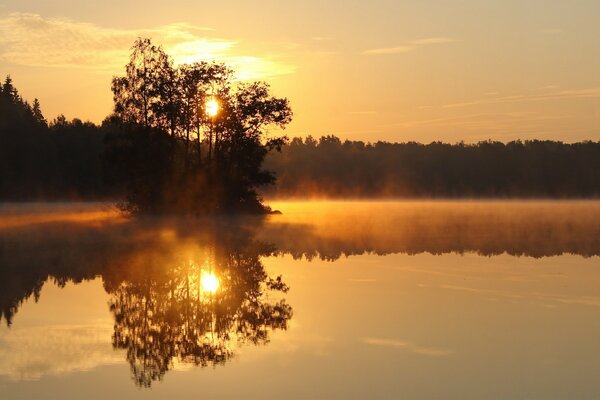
433,40
34,40
410,347
389,50
555,95
497,122
413,45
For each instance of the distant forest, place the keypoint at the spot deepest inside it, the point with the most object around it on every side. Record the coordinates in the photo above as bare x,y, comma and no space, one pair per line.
329,167
59,160
65,160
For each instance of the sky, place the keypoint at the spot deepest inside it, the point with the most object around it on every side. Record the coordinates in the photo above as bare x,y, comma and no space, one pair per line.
393,70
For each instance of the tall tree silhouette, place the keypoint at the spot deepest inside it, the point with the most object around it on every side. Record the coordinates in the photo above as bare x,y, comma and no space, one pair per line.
163,110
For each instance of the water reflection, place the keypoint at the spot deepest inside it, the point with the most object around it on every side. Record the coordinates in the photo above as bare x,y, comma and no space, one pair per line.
194,309
329,229
174,299
191,292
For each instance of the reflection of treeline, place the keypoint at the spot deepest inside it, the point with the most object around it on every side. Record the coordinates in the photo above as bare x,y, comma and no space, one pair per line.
534,229
151,267
332,168
161,313
33,253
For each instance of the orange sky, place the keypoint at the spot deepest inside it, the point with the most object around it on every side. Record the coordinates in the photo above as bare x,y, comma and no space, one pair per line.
380,70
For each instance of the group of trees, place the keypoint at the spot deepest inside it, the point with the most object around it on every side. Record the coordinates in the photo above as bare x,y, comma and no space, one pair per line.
332,168
187,139
190,138
40,160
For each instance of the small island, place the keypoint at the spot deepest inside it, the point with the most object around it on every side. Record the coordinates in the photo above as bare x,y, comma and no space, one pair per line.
190,139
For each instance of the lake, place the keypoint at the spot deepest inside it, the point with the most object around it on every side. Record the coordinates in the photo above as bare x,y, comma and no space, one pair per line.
328,300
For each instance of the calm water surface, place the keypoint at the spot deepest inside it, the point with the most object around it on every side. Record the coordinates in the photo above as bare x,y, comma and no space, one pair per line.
330,300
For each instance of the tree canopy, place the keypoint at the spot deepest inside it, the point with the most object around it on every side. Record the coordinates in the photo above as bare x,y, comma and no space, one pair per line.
190,138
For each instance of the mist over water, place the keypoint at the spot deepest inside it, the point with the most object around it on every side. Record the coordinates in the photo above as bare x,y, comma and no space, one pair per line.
529,228
330,229
362,298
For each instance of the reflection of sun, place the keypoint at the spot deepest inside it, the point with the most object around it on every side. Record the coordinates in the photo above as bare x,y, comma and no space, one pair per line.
209,282
212,107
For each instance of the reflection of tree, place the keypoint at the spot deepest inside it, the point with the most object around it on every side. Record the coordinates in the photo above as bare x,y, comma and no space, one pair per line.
151,267
165,315
32,254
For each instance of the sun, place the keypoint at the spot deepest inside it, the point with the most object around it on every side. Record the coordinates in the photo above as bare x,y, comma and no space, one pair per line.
212,107
209,282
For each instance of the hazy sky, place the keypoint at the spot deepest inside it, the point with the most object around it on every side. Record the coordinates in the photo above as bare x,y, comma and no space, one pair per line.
372,70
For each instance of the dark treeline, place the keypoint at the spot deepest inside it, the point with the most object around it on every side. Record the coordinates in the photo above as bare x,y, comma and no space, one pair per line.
534,168
186,139
60,160
209,163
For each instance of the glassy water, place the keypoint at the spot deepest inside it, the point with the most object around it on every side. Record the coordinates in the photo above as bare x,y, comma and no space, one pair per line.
329,300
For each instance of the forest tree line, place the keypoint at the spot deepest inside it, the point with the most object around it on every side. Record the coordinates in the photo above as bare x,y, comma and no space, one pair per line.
329,167
39,160
71,160
182,139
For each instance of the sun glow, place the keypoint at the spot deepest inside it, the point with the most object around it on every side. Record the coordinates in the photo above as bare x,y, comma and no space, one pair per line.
212,107
209,282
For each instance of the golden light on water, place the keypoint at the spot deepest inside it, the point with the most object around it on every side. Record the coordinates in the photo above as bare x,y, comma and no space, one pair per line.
209,282
212,107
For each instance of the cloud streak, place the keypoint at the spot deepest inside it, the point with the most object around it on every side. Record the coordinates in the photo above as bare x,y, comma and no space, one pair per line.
555,95
433,40
34,40
389,50
410,46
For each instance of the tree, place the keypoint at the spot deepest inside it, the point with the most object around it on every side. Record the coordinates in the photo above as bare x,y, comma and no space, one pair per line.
37,113
155,100
145,94
8,90
196,81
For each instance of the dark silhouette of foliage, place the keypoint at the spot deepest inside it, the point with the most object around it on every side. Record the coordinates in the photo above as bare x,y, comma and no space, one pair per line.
174,157
535,168
38,161
205,162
